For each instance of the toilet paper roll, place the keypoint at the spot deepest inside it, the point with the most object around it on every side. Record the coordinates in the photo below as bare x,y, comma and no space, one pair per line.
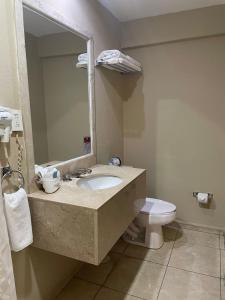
203,198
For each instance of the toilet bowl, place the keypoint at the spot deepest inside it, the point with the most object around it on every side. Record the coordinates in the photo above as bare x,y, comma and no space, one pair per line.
146,229
154,214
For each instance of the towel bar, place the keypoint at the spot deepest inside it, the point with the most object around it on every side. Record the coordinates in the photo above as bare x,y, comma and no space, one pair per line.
7,171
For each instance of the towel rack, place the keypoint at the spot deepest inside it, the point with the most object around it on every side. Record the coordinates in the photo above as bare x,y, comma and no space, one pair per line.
7,172
119,64
118,61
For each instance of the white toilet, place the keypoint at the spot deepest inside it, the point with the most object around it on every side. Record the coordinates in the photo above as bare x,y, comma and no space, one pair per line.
154,214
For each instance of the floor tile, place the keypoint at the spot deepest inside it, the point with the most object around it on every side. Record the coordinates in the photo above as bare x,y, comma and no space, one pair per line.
183,285
108,294
160,256
120,246
79,290
196,258
198,238
198,228
169,234
98,274
138,278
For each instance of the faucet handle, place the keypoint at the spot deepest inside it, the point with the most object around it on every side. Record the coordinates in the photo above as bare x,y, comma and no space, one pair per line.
89,171
67,177
81,171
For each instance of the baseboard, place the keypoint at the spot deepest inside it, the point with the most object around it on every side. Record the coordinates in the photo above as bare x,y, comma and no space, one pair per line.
200,225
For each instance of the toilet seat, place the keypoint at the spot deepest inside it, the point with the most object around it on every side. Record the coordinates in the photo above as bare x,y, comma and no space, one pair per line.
157,207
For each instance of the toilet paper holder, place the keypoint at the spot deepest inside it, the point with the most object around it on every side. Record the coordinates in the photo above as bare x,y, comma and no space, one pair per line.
195,194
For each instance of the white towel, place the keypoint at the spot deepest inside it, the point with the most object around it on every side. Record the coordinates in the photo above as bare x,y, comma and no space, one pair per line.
108,54
82,64
18,220
7,283
124,64
83,57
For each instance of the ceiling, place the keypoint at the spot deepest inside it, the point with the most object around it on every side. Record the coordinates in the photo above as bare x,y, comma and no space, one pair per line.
38,25
126,10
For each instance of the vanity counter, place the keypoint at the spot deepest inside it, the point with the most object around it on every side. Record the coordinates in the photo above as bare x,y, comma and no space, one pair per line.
70,193
85,224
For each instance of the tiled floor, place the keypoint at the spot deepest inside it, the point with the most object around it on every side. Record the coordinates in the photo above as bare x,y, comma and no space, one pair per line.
189,266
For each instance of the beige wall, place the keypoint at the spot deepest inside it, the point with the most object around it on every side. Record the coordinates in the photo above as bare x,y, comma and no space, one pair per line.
36,91
40,274
109,111
172,27
174,124
59,96
66,105
60,44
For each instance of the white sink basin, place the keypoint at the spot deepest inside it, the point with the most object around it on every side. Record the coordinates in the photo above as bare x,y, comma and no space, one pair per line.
99,182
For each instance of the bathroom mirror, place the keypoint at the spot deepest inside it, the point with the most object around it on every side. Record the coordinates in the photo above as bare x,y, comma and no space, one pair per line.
59,89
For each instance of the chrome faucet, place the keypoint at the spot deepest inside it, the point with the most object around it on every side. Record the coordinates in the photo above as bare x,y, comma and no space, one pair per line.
81,171
76,174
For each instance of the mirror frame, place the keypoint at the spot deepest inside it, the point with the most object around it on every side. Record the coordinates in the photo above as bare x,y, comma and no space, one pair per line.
45,10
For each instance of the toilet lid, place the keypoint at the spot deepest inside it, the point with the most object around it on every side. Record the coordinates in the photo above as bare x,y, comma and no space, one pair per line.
155,206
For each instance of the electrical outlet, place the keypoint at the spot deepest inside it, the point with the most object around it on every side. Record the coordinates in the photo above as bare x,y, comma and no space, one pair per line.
17,122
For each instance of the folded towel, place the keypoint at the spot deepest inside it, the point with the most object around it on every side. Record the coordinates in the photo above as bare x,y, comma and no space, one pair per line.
108,54
124,64
7,283
82,64
83,57
18,220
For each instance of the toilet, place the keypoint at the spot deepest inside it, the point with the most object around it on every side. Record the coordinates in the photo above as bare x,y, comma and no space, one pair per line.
154,214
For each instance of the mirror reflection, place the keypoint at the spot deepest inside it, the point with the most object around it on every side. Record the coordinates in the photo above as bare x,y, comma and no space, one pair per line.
58,87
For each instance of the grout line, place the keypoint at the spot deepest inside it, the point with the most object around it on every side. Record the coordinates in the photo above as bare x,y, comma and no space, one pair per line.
68,281
172,248
124,293
216,277
113,267
89,281
198,228
162,282
100,287
167,264
148,261
210,233
185,243
124,255
142,259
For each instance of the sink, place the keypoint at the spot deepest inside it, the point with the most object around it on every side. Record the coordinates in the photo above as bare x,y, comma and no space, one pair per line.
99,182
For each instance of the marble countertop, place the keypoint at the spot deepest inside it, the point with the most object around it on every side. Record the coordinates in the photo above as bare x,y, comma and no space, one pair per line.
71,194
